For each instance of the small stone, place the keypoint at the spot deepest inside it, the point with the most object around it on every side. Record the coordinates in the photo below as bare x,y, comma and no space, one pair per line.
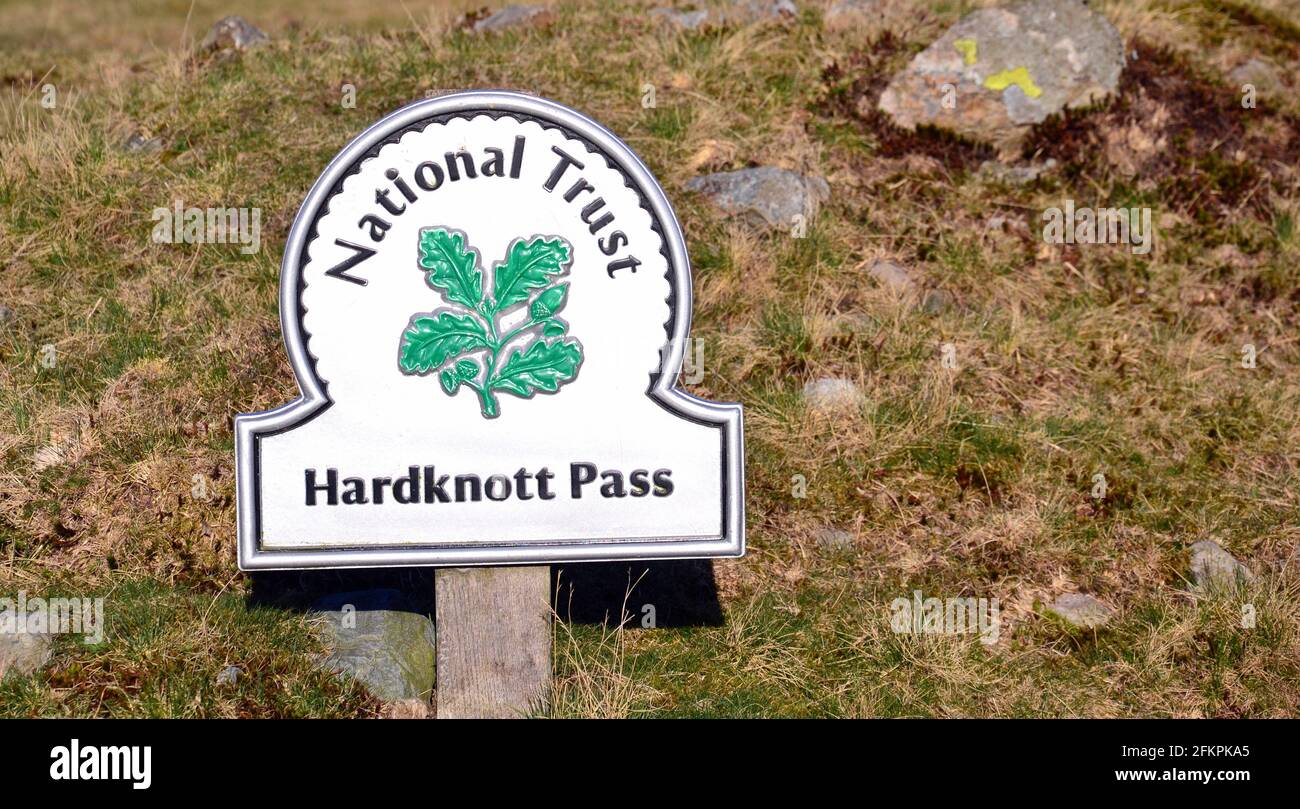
937,301
846,14
7,315
892,277
764,196
407,709
233,33
139,143
998,71
1213,568
851,323
834,538
1006,224
513,17
828,394
48,456
682,20
1081,610
1014,174
378,638
745,12
22,653
229,675
741,12
1260,73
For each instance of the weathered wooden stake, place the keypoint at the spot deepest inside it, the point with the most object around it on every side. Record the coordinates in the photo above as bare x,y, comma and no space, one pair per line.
494,641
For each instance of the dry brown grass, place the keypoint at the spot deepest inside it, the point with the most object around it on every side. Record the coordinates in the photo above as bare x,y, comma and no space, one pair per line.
975,481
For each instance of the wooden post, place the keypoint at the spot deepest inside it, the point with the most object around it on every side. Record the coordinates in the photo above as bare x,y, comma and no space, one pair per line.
494,641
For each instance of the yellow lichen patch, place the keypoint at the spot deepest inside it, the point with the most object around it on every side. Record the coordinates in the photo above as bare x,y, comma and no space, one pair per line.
1019,77
966,47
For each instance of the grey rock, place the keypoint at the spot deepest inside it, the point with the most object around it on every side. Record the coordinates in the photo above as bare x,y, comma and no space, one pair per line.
1009,68
1081,610
229,675
22,653
233,33
937,301
1260,73
892,277
744,12
764,196
512,17
741,12
683,20
834,538
378,638
1213,568
846,14
829,394
7,315
139,143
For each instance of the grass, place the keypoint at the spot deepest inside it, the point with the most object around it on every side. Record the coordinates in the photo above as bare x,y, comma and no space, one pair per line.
161,648
1072,361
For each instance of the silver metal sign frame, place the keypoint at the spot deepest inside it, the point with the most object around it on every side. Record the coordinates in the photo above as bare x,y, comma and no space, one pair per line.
662,387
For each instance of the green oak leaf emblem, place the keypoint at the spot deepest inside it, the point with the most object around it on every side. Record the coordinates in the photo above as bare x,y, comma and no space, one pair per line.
464,341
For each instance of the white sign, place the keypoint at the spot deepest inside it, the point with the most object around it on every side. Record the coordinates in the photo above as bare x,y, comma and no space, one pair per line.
485,299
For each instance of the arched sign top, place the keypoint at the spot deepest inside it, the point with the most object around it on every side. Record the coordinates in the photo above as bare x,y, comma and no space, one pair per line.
485,299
